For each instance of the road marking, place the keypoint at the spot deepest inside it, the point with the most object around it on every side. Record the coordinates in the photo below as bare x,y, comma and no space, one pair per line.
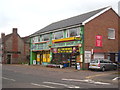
42,85
87,80
68,86
116,78
9,79
88,77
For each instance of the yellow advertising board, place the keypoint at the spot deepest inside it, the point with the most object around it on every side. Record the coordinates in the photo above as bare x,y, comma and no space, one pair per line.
46,57
66,39
38,57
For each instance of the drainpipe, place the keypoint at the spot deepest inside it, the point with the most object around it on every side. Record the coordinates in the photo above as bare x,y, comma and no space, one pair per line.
82,42
31,51
50,47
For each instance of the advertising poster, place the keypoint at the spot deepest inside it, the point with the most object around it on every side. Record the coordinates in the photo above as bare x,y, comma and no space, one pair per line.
87,56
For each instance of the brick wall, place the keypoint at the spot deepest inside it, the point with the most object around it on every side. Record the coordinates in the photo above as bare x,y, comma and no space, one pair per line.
14,43
99,26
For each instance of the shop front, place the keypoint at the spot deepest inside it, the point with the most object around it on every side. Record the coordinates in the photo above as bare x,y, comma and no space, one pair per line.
65,56
67,52
43,57
40,53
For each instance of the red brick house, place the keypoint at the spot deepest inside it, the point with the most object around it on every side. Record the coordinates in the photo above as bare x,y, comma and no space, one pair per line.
15,50
102,35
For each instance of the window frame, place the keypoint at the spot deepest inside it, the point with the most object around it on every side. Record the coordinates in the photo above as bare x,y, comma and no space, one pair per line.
113,33
53,38
68,32
36,39
42,37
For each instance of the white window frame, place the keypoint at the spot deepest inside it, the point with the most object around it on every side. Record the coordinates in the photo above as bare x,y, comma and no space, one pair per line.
35,39
43,37
113,33
78,31
54,35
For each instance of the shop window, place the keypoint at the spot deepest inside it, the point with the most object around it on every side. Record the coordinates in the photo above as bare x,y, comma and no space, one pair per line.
73,32
58,35
46,37
111,33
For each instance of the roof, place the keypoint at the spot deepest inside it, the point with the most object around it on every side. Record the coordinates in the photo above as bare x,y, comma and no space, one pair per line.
7,36
26,39
0,40
76,20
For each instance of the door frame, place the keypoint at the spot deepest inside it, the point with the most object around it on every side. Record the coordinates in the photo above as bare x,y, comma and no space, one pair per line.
9,58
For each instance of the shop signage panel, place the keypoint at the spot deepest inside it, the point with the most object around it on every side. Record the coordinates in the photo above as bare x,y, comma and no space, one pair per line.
98,41
87,56
41,46
71,43
65,50
66,39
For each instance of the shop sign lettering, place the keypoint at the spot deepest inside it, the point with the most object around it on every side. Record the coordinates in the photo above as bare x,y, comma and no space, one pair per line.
58,44
72,43
40,46
65,50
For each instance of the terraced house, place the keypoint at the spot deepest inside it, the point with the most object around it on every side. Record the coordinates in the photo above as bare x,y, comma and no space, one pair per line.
13,48
77,39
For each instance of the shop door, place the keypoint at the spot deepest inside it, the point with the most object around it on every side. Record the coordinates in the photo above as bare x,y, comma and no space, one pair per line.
38,59
46,56
41,58
112,57
8,59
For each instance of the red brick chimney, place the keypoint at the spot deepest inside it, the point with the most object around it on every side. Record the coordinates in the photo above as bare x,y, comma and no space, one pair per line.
14,30
15,43
2,36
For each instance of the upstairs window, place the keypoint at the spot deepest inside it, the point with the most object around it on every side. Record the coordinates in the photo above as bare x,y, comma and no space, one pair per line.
46,37
111,33
36,39
58,35
73,32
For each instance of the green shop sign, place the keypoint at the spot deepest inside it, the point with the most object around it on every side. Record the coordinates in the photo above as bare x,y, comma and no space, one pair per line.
46,46
41,46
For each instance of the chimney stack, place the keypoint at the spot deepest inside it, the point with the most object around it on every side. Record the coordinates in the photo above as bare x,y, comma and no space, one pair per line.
2,35
14,30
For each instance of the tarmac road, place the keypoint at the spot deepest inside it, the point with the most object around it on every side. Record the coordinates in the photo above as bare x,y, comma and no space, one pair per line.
23,76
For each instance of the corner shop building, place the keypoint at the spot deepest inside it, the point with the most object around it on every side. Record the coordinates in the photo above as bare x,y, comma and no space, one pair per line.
78,39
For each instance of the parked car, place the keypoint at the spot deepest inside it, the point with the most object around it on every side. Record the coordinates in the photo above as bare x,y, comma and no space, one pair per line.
102,64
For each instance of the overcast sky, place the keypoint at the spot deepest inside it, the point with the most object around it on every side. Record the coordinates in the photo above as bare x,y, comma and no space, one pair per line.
30,16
